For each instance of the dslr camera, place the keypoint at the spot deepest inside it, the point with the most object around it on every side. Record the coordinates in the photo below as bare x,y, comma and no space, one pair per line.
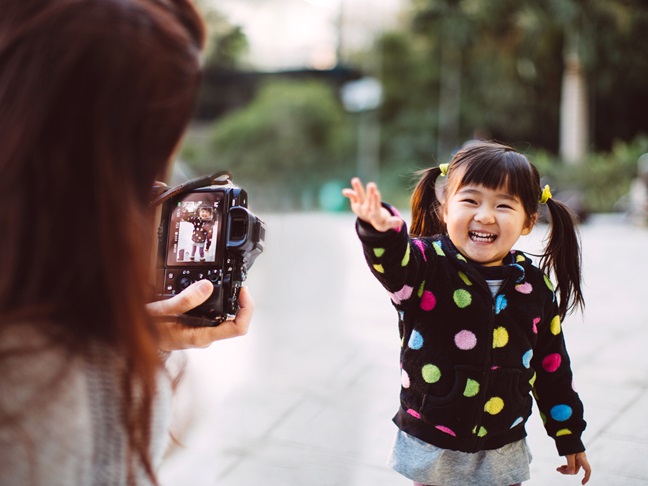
207,232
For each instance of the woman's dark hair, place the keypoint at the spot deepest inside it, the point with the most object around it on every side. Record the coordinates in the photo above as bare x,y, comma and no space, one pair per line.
95,96
494,165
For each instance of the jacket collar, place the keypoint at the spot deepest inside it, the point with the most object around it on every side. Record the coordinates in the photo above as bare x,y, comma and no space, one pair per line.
514,267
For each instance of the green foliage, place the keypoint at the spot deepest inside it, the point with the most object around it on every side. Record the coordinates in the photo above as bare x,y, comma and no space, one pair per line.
226,43
603,178
290,140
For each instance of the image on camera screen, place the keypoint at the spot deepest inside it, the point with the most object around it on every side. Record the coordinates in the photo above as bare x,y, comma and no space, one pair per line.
193,235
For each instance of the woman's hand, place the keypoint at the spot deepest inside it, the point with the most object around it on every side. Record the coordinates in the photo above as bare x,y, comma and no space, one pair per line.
174,335
574,464
367,205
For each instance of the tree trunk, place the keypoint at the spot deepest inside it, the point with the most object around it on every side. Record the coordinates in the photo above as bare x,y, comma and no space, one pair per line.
574,125
449,99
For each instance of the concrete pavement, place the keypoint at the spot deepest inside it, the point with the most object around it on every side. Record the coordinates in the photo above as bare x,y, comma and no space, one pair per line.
307,397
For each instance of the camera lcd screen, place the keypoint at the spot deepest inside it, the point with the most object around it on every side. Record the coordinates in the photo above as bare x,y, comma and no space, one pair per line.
194,228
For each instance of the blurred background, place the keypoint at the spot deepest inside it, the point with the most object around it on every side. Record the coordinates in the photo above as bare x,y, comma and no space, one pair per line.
298,97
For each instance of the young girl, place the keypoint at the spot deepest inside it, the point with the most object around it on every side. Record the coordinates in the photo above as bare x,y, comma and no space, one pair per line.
480,324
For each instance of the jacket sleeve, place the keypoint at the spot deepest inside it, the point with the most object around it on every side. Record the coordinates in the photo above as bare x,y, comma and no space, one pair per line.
398,262
188,216
560,406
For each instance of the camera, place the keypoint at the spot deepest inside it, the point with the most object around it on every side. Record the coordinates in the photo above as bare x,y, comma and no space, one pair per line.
207,232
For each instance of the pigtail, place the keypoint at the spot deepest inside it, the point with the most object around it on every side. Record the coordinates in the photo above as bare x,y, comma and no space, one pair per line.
426,220
562,257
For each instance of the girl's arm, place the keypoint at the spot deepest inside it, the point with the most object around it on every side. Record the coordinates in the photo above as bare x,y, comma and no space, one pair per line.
397,261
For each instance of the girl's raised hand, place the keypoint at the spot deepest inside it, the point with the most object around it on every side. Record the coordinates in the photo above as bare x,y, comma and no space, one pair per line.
367,205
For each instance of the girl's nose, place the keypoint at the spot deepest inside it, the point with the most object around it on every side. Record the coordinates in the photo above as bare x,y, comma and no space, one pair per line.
484,215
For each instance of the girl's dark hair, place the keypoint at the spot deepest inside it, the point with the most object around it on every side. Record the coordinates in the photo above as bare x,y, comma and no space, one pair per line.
95,96
494,165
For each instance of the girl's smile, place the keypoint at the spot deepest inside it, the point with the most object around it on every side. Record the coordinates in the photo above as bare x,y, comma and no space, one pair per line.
484,224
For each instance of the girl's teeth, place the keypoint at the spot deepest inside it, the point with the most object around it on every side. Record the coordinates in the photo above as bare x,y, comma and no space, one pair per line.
481,236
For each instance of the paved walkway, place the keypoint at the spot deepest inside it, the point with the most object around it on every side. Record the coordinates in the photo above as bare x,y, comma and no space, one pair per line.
307,397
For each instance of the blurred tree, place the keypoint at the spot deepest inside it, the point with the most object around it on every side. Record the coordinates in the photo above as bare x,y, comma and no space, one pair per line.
225,49
293,137
502,69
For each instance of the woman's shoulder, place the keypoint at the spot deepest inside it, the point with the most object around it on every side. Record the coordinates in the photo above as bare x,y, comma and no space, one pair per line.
44,404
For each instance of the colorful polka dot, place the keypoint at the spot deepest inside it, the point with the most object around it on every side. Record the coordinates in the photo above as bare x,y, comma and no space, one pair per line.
552,362
461,257
532,380
472,388
428,300
482,432
500,337
526,358
560,413
379,268
522,272
524,288
431,373
517,422
421,247
405,379
465,278
415,340
494,406
406,257
563,432
548,283
555,326
379,252
500,303
520,258
414,413
536,321
446,430
402,295
462,298
465,340
437,248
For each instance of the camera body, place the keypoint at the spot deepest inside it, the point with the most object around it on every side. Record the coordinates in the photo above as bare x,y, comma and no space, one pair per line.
208,233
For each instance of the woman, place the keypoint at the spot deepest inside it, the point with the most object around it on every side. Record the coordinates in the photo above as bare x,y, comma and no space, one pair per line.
94,98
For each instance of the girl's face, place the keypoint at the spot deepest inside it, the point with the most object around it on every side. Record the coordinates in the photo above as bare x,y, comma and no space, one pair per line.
484,224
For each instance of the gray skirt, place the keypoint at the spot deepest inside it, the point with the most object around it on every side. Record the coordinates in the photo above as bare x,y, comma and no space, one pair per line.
428,464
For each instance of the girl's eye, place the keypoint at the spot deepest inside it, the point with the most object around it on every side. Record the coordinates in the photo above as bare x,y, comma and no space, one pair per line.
469,201
505,206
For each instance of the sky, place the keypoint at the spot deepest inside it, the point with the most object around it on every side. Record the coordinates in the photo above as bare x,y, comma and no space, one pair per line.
286,34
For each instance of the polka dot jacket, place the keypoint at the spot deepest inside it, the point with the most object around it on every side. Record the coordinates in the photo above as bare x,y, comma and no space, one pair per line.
203,229
470,361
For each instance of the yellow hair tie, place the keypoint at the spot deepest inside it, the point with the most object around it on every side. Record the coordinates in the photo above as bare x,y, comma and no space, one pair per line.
444,169
546,195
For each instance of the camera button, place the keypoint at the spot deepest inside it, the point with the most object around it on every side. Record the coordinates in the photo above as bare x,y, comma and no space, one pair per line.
184,282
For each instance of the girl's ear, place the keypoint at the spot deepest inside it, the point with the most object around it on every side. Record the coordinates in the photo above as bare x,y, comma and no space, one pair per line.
530,223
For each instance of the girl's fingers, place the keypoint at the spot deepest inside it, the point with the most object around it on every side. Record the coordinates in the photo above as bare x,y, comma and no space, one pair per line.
350,194
374,199
356,183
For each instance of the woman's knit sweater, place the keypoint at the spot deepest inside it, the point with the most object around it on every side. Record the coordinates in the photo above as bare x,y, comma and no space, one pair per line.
470,361
61,416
